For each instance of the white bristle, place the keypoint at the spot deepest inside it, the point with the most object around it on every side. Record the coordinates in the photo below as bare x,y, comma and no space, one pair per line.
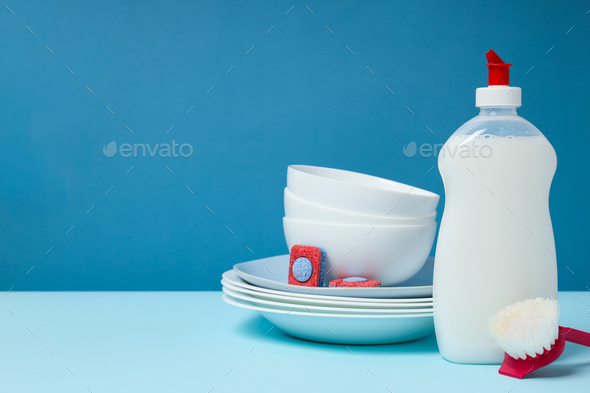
526,328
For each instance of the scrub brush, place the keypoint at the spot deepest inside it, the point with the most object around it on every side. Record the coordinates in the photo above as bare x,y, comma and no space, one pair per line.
529,333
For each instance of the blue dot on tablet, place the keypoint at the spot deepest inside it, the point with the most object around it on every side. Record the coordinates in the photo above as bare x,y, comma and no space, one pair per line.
302,269
354,279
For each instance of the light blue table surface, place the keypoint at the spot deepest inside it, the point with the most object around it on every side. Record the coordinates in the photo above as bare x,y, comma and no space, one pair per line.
193,342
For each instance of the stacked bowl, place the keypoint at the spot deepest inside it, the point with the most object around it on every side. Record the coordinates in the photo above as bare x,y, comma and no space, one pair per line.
369,227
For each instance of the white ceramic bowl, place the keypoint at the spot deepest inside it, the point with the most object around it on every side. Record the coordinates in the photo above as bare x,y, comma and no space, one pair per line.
388,253
358,193
302,209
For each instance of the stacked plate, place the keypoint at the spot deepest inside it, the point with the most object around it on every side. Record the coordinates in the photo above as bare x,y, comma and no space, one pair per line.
334,315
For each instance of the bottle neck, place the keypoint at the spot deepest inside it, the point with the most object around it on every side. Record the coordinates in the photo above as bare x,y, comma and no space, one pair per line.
499,111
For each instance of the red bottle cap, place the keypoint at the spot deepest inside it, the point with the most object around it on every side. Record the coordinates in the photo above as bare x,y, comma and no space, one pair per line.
498,71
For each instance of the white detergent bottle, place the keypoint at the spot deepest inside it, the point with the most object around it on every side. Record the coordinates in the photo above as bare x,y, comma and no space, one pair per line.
495,245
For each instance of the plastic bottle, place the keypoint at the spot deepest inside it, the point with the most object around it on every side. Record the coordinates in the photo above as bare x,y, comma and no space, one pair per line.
495,245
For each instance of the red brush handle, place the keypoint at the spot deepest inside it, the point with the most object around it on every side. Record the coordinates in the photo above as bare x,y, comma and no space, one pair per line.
518,368
575,336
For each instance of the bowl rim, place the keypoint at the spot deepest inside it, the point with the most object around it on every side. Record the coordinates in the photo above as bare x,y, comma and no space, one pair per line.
308,170
289,194
335,224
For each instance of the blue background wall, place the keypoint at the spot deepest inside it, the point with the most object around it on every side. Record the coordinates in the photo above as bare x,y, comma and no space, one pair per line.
299,96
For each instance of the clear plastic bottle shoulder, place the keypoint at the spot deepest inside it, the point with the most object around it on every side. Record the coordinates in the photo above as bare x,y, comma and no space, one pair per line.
499,126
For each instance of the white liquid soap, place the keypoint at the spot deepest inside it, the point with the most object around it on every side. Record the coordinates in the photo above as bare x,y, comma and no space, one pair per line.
495,245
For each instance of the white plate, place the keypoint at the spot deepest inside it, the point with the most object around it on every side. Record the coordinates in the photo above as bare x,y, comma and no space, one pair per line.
312,309
232,277
292,299
344,328
273,273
